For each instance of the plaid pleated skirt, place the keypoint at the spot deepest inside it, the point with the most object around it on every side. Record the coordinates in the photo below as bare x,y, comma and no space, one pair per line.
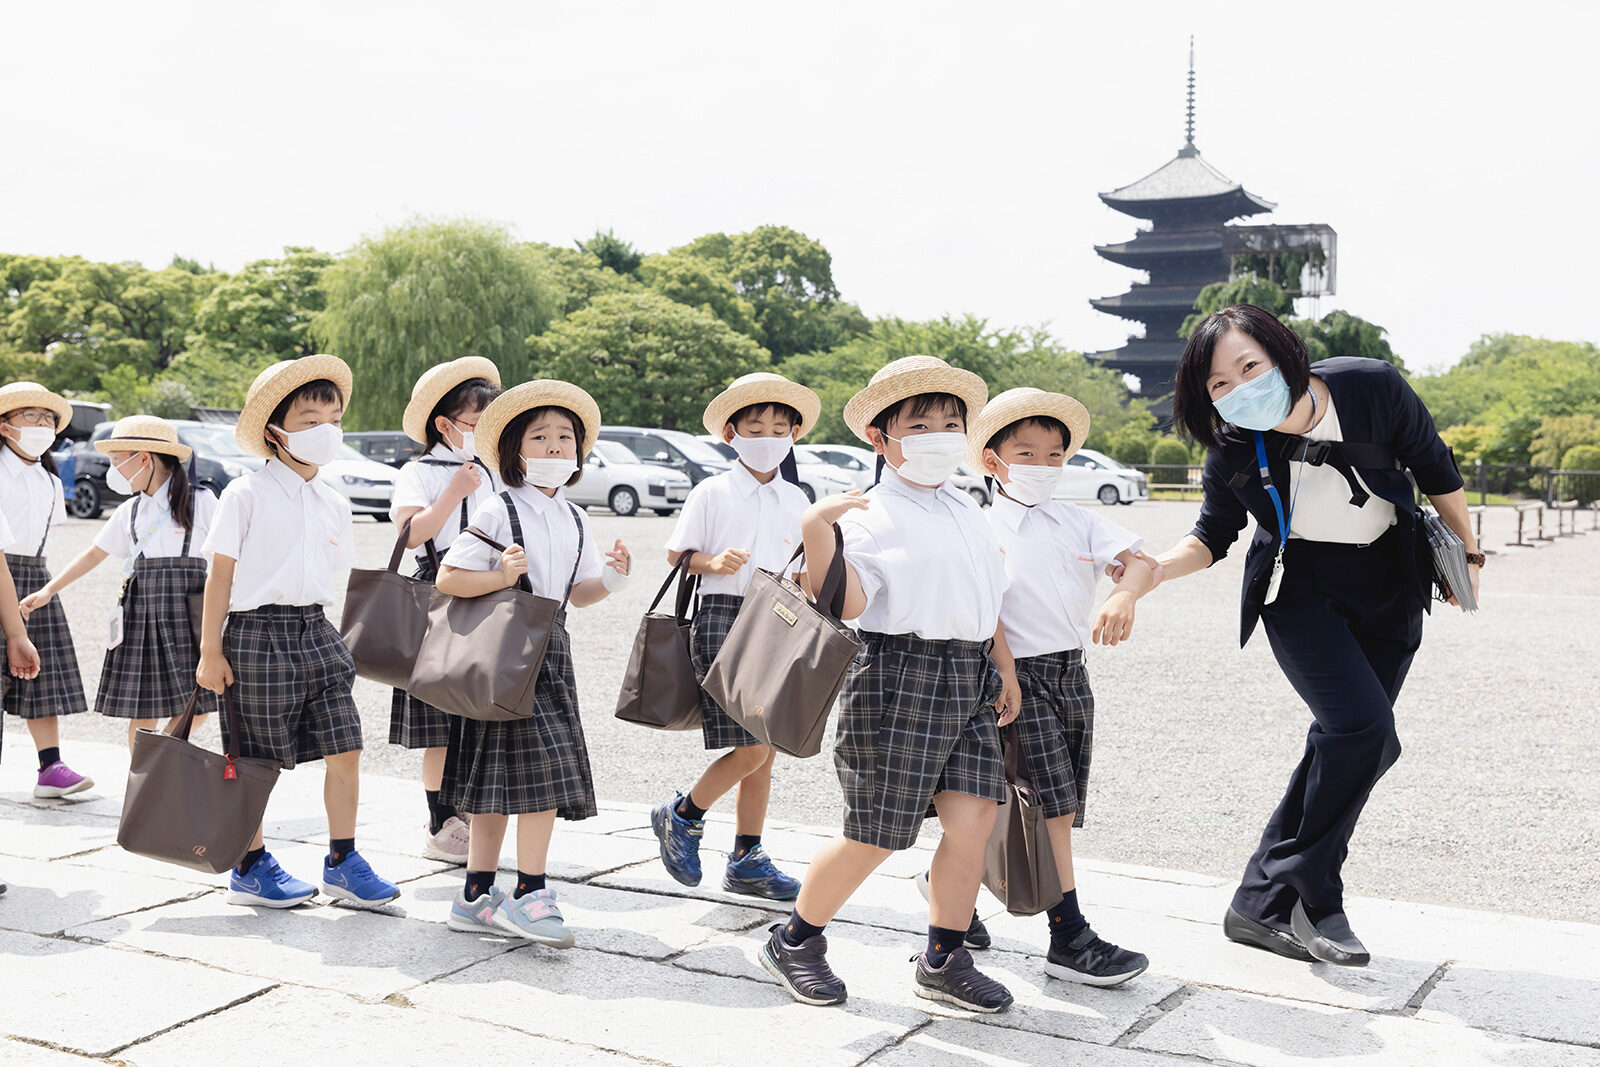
1056,725
711,625
522,766
414,723
292,676
58,690
151,674
916,718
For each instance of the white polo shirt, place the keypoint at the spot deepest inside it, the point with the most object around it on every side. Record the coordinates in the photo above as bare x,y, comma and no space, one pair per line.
32,500
423,481
550,539
6,540
289,536
1055,552
928,562
157,534
733,510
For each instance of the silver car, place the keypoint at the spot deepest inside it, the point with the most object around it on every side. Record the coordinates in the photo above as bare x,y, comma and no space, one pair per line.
861,464
614,478
817,477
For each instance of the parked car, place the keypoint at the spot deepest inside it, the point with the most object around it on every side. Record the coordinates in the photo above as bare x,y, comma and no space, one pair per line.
1092,475
669,448
613,477
389,447
218,460
861,465
723,448
367,484
819,478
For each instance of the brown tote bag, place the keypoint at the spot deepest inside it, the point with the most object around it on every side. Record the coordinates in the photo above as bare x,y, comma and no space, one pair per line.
385,616
1019,867
480,657
660,688
187,805
785,659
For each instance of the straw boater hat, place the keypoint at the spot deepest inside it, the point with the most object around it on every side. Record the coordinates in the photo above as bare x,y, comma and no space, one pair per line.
277,382
762,387
437,381
908,377
33,395
144,433
545,392
1025,403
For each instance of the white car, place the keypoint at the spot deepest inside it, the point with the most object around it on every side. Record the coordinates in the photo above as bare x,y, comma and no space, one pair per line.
861,465
614,478
818,478
367,484
1091,475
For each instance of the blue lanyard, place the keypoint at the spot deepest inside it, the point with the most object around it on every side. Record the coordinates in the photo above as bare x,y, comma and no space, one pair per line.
1272,491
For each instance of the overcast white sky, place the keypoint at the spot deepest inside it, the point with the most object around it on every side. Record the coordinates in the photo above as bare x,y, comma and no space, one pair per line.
948,154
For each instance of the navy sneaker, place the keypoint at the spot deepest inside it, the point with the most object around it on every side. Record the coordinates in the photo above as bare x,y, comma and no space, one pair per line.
1092,960
754,875
267,885
802,970
977,933
354,880
680,841
959,982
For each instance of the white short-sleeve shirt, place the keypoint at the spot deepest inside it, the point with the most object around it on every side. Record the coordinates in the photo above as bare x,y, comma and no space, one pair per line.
423,481
156,534
928,562
289,536
32,500
551,539
1055,552
1322,508
733,510
6,540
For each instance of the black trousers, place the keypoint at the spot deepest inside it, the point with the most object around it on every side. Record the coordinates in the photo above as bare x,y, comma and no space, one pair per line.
1344,628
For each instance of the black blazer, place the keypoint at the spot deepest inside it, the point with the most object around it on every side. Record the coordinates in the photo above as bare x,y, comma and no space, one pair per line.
1375,405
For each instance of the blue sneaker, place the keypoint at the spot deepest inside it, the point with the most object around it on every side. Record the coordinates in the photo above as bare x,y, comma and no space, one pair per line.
267,885
355,880
476,916
680,841
536,917
754,875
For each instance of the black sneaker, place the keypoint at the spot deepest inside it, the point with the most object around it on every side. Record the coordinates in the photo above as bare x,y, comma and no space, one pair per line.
959,982
977,933
803,970
1092,960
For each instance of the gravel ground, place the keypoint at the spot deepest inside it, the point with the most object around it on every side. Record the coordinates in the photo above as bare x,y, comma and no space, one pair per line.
1495,803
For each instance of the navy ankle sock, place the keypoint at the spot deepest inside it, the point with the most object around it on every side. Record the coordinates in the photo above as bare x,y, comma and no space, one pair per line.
339,848
439,812
797,931
941,943
688,809
478,883
527,883
250,860
48,756
743,843
1066,921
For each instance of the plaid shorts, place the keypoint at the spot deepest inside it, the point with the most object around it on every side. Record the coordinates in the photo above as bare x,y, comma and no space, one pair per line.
59,688
1056,726
916,718
291,683
151,674
540,763
711,625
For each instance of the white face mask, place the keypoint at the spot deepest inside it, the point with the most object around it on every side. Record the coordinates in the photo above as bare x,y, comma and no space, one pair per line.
548,472
34,441
119,483
467,451
930,458
762,454
1030,483
316,446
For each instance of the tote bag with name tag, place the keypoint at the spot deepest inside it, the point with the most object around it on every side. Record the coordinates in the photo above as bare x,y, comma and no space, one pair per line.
660,688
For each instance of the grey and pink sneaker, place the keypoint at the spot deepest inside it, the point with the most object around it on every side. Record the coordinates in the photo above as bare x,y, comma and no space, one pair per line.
59,780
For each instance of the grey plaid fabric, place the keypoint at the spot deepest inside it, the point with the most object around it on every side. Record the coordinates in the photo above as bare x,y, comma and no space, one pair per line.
151,674
540,763
916,718
59,688
1056,726
711,625
412,723
292,676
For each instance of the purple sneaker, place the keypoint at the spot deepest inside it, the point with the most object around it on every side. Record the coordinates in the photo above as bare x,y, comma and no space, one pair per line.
59,780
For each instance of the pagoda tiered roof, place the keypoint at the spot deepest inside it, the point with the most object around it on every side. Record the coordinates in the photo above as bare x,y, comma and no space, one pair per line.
1190,183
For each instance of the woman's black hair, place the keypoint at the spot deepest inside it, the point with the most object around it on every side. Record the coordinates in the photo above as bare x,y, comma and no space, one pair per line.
47,461
180,497
1044,422
750,411
508,450
473,394
1192,409
320,391
914,407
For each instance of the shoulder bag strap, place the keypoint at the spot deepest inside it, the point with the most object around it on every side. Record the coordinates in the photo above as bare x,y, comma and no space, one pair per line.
573,577
830,598
516,537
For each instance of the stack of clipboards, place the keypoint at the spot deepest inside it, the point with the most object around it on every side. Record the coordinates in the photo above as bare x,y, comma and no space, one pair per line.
1449,561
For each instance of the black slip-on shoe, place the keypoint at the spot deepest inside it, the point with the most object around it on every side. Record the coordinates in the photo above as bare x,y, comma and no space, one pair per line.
1258,935
1092,960
959,982
803,969
977,934
1330,940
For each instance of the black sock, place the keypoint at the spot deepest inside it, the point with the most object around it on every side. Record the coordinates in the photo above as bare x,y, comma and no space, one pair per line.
1066,921
339,848
48,756
250,860
688,809
439,812
527,883
941,943
743,843
797,931
478,883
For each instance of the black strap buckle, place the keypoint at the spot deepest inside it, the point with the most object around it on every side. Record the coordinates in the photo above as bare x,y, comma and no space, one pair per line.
1315,453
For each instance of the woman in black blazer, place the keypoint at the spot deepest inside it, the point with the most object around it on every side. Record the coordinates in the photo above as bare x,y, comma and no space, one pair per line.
1341,599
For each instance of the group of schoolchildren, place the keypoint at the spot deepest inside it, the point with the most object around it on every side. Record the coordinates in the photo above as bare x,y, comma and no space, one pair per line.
969,621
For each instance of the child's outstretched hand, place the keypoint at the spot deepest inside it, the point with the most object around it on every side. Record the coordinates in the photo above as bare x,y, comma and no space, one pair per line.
1010,700
1114,622
22,658
830,509
618,558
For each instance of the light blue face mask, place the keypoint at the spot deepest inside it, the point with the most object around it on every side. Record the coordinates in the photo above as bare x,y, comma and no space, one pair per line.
1259,404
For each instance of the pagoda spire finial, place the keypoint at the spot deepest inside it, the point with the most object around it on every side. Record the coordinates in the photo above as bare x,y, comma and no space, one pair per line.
1188,126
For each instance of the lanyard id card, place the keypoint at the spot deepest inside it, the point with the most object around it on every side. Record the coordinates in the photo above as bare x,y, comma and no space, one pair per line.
1284,520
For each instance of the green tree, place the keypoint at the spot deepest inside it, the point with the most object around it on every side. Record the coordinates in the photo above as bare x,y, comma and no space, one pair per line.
1339,333
579,276
612,251
699,283
263,313
1559,434
429,291
1248,288
645,359
1169,451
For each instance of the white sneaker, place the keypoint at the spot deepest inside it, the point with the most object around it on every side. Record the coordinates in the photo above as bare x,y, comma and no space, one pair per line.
449,845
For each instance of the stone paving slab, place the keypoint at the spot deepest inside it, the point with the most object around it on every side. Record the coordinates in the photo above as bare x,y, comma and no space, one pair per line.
41,834
41,900
787,846
1535,1005
961,1043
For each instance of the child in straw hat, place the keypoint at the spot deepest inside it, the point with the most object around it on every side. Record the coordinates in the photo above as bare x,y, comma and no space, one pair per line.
158,533
1055,552
279,536
33,500
535,436
732,523
920,710
437,493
